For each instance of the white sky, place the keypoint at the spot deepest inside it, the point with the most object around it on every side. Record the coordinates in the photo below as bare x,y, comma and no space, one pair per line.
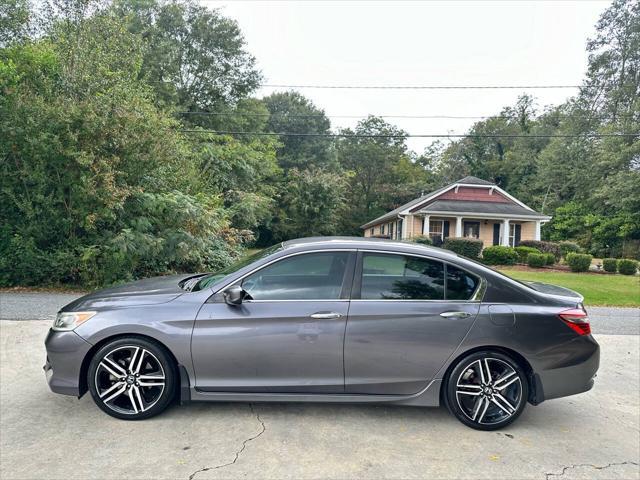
418,43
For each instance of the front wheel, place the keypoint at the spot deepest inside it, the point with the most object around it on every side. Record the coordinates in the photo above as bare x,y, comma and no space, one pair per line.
487,390
131,378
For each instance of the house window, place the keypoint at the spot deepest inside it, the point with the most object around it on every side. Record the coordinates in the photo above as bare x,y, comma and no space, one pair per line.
512,235
372,231
382,229
391,230
436,229
471,230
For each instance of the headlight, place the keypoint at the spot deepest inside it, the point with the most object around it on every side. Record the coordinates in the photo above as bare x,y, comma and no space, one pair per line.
67,321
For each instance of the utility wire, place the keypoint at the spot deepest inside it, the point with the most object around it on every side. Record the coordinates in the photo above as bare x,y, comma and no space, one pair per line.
320,115
346,135
425,87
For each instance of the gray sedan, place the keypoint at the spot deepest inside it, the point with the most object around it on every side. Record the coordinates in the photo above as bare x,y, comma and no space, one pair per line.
328,320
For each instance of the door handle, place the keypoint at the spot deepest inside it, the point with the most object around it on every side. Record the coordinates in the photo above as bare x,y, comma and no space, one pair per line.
455,314
325,315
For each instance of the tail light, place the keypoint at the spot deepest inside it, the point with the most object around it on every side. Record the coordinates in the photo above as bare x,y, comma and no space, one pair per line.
576,319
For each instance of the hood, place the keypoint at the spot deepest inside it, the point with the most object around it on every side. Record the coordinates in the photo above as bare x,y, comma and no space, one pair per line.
556,291
149,291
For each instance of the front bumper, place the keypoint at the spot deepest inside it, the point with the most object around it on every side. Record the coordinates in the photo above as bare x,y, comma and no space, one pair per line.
572,369
65,353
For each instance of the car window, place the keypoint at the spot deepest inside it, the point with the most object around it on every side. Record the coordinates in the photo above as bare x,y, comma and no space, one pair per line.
386,276
310,276
460,284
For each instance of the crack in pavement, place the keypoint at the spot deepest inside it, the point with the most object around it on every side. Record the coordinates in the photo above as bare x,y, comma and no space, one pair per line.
569,467
242,448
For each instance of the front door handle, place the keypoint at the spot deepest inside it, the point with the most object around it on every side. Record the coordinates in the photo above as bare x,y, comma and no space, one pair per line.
325,315
455,314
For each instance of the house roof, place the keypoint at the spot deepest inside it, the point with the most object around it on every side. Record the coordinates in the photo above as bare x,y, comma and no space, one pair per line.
473,181
470,206
459,205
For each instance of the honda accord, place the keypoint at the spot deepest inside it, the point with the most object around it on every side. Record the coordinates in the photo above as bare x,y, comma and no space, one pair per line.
328,320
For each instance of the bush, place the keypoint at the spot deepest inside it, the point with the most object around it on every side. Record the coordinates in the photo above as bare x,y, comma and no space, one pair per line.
567,247
524,252
499,255
422,240
626,266
610,265
467,247
550,258
537,260
544,247
579,262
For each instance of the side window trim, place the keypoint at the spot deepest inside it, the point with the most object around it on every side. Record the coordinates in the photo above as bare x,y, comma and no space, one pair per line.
356,291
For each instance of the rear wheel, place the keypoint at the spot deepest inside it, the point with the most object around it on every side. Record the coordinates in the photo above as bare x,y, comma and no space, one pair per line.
487,390
131,378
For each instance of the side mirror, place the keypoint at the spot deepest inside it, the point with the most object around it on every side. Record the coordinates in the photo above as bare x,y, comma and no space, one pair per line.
234,295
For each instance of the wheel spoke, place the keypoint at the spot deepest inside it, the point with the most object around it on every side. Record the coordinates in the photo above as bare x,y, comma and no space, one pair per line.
139,398
477,407
151,384
480,367
484,410
503,379
133,402
111,389
487,371
151,377
115,365
139,366
506,402
111,370
117,394
463,392
133,359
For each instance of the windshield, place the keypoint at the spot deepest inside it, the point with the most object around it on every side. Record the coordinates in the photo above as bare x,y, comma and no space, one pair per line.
211,278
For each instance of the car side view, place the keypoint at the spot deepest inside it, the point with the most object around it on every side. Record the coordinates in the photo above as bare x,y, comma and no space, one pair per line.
328,320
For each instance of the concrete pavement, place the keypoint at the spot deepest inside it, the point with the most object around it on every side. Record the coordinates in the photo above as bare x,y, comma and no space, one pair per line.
42,435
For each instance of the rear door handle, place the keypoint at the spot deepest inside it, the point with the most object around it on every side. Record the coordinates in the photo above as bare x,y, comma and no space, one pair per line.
455,314
325,315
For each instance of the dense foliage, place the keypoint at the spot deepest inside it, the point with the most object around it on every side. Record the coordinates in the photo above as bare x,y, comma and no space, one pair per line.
524,251
579,262
467,247
537,260
109,169
499,255
627,266
610,265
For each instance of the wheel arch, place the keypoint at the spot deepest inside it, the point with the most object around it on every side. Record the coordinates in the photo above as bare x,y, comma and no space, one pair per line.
533,381
84,368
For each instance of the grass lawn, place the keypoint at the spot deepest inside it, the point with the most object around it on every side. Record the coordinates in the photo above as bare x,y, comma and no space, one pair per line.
612,290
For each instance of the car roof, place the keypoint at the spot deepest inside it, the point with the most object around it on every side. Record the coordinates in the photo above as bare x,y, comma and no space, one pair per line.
382,244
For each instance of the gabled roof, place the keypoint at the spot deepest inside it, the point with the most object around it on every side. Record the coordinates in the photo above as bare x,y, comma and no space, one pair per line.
470,206
519,208
473,181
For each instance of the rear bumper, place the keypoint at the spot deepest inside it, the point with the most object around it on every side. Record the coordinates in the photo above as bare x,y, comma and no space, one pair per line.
65,353
571,370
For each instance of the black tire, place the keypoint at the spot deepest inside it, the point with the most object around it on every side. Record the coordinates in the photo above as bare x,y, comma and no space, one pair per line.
482,404
146,388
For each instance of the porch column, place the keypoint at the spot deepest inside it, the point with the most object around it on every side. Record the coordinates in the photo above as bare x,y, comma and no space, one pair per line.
458,227
537,234
505,232
425,225
405,227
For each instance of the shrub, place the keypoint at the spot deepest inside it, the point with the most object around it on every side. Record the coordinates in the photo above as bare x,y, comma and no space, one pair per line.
537,260
499,255
524,252
550,258
467,247
626,266
579,262
422,240
544,247
610,265
567,247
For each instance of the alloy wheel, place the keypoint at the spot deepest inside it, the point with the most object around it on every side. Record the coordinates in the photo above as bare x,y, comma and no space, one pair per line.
129,379
488,391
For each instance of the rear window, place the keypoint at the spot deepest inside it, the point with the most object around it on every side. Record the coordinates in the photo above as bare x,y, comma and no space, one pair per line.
460,284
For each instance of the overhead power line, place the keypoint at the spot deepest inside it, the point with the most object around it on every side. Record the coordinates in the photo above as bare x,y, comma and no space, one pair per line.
321,115
346,135
425,87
